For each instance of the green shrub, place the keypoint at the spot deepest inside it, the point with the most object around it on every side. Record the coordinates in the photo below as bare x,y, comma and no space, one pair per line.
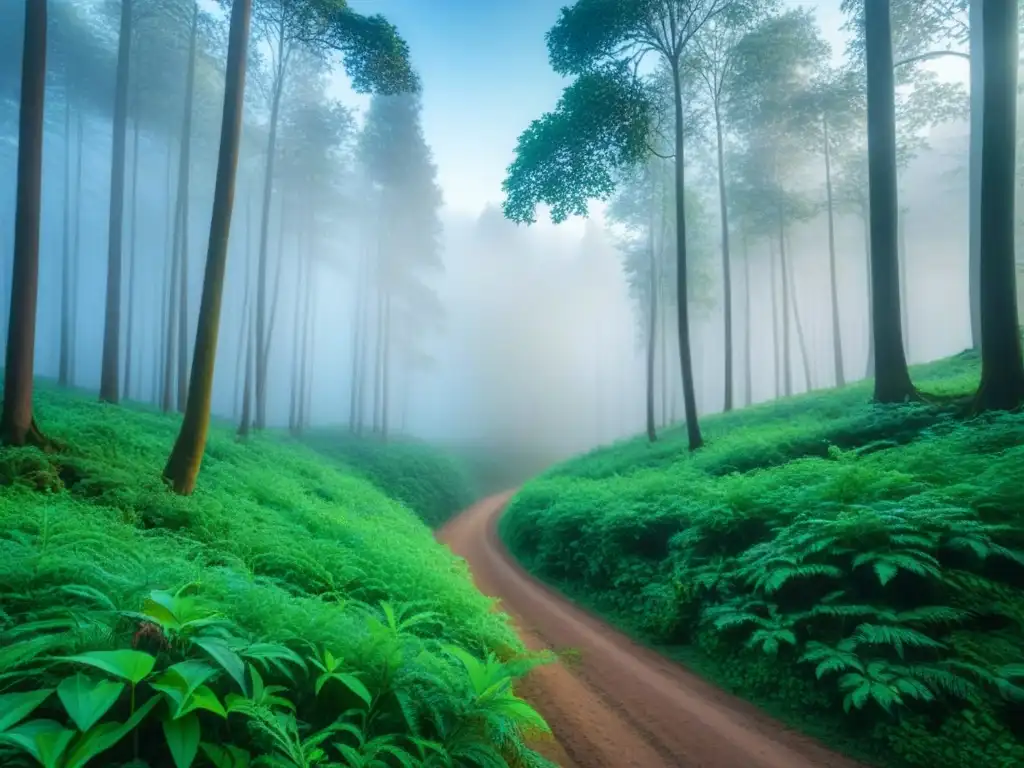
430,482
293,570
855,566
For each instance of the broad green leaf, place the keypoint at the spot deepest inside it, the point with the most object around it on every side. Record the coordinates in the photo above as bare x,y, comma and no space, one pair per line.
226,757
45,740
228,660
103,736
15,707
191,673
182,736
350,681
87,700
160,608
132,666
202,698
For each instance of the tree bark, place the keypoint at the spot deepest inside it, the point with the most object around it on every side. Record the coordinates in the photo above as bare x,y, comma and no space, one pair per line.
787,362
869,370
262,335
776,351
76,249
686,363
726,267
246,306
976,23
293,405
892,377
17,425
166,338
1002,366
801,339
184,183
110,390
652,329
748,376
183,464
385,365
132,256
63,368
378,361
833,278
901,253
308,355
357,340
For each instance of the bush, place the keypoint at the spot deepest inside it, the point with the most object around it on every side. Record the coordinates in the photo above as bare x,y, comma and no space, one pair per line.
432,483
856,568
285,612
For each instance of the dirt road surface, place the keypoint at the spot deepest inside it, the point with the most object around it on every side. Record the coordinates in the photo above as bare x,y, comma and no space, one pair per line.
621,705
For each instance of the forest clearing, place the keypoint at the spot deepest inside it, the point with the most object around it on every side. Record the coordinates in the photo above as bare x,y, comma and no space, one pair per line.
634,383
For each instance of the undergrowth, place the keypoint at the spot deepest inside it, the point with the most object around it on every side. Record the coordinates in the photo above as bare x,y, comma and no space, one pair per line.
285,614
859,568
432,483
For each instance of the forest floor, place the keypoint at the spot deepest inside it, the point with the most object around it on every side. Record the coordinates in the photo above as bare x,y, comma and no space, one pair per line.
610,702
855,570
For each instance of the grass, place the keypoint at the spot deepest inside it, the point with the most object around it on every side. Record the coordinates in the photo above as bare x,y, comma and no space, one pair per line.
858,570
290,612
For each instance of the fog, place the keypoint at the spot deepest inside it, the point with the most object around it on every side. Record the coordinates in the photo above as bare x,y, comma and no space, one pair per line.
500,335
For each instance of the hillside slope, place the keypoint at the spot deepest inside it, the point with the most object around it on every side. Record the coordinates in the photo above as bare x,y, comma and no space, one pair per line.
277,565
857,570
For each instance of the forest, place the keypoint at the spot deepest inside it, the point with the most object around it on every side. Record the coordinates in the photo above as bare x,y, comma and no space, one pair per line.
741,325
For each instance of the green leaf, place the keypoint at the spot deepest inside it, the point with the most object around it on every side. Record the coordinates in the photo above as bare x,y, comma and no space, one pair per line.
45,740
226,757
350,681
87,700
132,666
103,736
228,660
15,707
182,736
885,571
202,698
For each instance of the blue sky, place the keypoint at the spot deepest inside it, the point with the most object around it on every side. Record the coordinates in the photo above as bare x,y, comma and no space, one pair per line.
486,76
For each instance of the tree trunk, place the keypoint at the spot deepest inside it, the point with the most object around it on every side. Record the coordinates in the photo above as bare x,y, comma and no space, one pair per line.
293,405
801,339
748,376
17,426
65,277
110,390
686,363
901,255
652,330
166,291
183,464
184,179
246,305
726,273
378,362
977,43
132,256
385,364
262,335
833,278
869,371
1002,366
776,351
787,362
308,353
76,249
357,340
892,378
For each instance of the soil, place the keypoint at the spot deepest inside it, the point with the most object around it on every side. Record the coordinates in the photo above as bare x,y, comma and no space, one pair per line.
617,704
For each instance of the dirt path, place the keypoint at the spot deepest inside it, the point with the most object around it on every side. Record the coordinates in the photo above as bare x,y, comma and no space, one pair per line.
621,705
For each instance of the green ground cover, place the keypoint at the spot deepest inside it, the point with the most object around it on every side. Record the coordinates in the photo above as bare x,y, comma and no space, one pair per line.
288,613
858,570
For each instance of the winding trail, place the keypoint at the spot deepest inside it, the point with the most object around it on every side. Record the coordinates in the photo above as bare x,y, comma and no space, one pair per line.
621,705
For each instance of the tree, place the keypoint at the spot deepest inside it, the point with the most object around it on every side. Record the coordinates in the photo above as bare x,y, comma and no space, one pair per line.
603,122
1002,367
17,425
183,464
375,58
892,377
110,369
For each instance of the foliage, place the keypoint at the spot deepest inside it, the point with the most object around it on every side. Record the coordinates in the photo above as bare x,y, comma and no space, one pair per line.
432,483
287,613
853,566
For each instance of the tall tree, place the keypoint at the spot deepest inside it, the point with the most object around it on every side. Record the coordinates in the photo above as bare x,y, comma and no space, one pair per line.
603,121
17,425
182,467
111,363
892,377
1002,366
